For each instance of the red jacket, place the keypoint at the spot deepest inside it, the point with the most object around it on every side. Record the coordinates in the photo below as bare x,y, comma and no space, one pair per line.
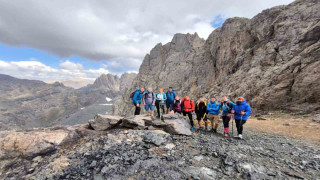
187,105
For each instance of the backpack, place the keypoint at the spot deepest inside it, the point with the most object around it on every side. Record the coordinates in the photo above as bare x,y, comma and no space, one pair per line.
228,106
145,94
132,94
190,104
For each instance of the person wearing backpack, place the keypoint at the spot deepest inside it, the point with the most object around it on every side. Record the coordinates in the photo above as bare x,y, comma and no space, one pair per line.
160,101
241,111
171,95
213,108
226,107
136,100
149,100
201,112
187,109
176,107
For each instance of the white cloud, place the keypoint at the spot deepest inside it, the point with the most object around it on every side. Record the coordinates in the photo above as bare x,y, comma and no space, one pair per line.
37,70
113,30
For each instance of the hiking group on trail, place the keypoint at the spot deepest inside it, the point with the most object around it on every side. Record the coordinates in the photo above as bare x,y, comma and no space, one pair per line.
169,103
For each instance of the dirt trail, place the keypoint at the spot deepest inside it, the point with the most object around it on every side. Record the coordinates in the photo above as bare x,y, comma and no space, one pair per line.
295,126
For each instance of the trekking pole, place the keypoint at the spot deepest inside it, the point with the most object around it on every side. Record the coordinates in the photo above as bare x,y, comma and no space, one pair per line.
232,124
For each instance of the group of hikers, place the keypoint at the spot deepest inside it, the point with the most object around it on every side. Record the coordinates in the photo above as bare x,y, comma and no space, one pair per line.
169,103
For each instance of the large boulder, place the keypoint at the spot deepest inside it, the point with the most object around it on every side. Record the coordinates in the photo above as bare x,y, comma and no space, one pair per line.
135,122
178,126
104,122
31,144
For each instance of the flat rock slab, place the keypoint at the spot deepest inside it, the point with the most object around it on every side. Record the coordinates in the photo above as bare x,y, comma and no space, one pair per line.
104,122
30,144
135,122
178,126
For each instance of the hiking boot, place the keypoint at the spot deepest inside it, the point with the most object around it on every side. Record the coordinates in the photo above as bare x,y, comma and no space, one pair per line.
192,128
152,118
214,130
240,136
226,135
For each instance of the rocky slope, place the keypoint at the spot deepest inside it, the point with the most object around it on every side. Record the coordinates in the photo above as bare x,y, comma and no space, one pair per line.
28,103
75,83
272,59
135,151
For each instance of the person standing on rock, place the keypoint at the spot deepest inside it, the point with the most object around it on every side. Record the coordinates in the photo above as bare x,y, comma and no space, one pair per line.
160,101
201,112
177,107
149,100
226,107
213,108
241,111
136,100
187,109
171,95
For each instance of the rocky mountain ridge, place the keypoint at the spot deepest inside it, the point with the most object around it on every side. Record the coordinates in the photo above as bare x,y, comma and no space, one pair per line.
29,103
272,60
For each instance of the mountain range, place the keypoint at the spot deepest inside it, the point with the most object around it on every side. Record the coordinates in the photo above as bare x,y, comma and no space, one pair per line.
30,103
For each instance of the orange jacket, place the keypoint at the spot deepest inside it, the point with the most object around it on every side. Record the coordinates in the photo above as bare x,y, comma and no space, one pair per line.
187,105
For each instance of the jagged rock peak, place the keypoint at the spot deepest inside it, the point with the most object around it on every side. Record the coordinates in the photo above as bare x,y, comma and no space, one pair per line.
108,81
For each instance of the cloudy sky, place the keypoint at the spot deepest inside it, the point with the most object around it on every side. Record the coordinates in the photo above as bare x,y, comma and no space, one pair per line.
62,39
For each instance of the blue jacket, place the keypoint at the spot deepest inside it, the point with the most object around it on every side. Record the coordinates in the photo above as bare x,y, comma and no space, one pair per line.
137,97
243,106
213,107
171,95
226,107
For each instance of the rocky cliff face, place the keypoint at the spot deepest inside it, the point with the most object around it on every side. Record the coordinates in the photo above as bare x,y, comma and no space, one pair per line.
272,60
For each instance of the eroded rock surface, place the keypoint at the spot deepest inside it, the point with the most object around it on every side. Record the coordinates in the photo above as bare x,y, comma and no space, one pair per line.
155,154
271,59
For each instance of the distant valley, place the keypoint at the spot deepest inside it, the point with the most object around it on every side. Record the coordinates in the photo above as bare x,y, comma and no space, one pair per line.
30,103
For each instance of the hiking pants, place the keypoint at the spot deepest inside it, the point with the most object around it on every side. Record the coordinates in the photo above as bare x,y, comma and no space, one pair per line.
137,111
190,117
159,108
226,119
239,124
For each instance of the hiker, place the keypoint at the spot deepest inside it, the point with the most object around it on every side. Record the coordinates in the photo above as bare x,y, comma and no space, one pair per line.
201,110
213,108
160,101
176,106
148,100
171,95
136,100
187,109
226,107
241,111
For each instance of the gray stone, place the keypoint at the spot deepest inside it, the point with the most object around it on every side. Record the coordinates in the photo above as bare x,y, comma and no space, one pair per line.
178,126
136,122
200,173
104,122
316,118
